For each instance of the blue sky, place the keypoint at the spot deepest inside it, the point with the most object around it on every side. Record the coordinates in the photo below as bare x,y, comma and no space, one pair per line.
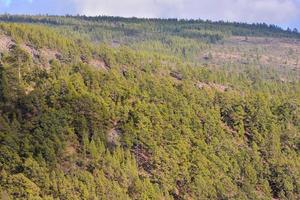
281,12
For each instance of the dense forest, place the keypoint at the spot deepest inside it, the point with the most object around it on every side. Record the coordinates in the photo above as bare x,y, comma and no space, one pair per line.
128,108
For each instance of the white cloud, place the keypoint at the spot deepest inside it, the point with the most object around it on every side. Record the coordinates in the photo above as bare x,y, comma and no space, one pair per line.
270,11
127,8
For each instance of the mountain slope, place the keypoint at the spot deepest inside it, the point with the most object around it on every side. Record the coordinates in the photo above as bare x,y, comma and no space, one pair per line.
81,119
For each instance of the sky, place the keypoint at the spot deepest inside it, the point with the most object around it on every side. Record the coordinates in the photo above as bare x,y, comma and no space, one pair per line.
285,13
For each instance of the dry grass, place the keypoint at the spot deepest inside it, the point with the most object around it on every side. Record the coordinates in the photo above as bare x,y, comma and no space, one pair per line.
274,52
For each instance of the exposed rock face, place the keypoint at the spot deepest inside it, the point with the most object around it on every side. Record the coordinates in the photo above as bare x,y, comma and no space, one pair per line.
113,137
45,55
176,75
48,54
143,158
219,87
98,64
33,52
6,43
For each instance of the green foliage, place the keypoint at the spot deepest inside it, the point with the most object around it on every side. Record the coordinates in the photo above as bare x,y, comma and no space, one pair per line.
144,125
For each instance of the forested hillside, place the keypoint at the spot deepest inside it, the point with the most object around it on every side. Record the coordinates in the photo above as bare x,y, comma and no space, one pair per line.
116,108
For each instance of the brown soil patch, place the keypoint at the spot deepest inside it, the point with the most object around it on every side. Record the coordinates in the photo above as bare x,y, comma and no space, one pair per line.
70,150
176,75
114,136
6,43
143,158
49,54
218,87
28,90
34,53
98,64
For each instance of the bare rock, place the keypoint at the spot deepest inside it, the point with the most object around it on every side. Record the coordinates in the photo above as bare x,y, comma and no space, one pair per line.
218,87
114,137
176,75
6,43
34,53
98,64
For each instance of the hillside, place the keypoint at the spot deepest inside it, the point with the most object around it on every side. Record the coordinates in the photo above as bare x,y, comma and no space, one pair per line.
117,108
